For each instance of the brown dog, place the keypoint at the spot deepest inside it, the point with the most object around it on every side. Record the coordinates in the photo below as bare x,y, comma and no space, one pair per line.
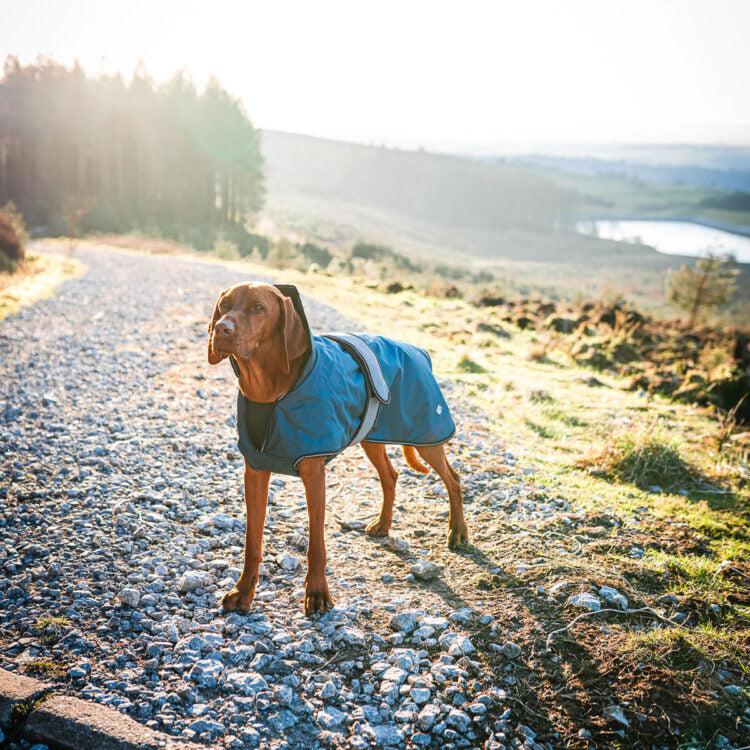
260,329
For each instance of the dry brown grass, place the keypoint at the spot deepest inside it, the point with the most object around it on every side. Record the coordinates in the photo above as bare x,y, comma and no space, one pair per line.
44,667
35,278
646,458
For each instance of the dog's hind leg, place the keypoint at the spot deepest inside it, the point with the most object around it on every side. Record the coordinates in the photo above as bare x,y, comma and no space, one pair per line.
434,455
379,457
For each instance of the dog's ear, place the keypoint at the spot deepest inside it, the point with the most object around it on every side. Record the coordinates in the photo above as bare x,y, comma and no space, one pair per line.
293,332
213,356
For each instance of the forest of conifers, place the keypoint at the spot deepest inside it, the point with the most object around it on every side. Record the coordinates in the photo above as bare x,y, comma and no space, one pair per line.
435,188
81,153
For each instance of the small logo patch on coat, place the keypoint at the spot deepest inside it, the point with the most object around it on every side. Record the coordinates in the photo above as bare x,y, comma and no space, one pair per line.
438,409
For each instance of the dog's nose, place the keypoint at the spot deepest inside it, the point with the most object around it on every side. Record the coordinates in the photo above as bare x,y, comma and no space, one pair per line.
225,327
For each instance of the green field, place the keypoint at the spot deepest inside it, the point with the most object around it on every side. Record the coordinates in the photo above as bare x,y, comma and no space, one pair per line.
617,197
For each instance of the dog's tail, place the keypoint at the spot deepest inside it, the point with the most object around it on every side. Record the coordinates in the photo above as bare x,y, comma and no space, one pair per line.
414,463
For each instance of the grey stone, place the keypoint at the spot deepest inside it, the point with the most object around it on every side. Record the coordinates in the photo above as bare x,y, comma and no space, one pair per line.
511,650
461,616
72,723
425,570
250,737
222,521
420,695
350,636
246,683
398,545
615,715
331,718
558,588
428,716
384,735
16,689
192,580
129,596
526,732
438,623
459,720
461,646
613,597
207,727
206,672
329,690
282,720
289,563
404,622
395,674
586,601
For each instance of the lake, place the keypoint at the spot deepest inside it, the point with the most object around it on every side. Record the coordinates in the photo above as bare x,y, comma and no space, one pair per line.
672,237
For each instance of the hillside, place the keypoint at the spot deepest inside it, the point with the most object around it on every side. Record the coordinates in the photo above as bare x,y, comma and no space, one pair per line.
428,187
337,193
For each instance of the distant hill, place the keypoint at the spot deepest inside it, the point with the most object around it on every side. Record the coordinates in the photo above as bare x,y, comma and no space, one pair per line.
447,190
434,206
729,169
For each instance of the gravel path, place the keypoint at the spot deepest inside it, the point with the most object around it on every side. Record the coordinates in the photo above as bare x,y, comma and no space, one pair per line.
121,511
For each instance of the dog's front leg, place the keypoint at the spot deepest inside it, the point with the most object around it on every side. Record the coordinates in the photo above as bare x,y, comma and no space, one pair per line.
312,471
256,500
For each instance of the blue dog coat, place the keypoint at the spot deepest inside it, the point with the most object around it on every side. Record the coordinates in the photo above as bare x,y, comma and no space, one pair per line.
324,410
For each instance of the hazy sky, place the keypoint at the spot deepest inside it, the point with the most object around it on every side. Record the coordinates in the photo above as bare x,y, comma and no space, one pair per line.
440,74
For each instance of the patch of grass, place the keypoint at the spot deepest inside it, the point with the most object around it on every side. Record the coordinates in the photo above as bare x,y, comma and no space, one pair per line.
683,662
50,621
51,628
560,415
722,517
689,649
711,590
44,667
646,458
34,279
467,365
693,575
13,236
540,396
542,430
732,549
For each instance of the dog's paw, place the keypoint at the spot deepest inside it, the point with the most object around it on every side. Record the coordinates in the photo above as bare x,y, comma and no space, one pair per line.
377,528
458,535
317,598
238,600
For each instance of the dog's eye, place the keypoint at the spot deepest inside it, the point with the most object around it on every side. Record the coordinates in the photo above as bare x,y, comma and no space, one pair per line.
258,308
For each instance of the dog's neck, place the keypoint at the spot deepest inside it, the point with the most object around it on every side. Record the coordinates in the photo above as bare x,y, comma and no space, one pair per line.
262,377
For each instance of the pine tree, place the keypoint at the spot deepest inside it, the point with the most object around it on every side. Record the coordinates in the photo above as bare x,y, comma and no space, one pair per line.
103,153
702,288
